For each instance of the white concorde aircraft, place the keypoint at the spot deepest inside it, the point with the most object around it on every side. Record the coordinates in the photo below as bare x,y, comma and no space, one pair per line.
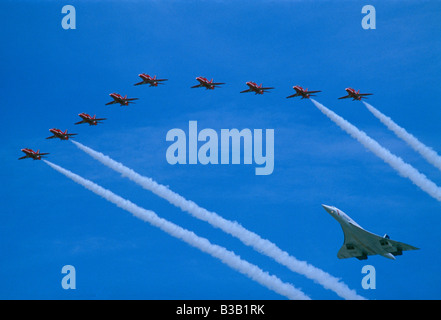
360,243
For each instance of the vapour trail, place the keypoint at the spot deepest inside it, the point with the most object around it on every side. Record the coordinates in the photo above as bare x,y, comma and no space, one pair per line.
426,152
403,168
233,228
226,256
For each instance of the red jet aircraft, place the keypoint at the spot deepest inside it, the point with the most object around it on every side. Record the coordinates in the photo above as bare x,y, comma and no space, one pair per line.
253,87
146,79
32,154
355,95
123,101
304,93
60,134
204,82
92,121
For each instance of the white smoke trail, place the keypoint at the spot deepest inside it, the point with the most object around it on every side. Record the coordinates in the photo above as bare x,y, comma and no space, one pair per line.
403,168
427,153
226,256
233,228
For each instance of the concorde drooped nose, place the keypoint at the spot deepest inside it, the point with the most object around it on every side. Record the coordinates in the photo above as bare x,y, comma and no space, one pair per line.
328,209
333,211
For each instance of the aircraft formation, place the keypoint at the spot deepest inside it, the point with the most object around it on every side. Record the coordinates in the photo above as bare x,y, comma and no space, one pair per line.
358,242
154,82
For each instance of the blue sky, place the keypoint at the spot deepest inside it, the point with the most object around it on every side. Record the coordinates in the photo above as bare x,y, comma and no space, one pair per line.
49,75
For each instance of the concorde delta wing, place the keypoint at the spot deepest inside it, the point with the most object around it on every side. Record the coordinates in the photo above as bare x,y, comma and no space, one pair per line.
394,247
352,247
360,243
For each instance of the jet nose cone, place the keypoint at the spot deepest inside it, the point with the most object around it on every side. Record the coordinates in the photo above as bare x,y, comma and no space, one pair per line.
327,208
